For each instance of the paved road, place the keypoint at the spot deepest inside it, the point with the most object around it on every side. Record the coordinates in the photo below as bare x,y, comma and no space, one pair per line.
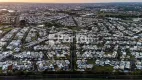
58,76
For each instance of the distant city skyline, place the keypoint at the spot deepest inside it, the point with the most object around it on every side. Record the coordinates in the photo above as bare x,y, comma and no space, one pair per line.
70,1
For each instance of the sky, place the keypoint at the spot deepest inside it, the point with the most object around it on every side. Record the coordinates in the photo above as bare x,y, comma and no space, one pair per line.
70,1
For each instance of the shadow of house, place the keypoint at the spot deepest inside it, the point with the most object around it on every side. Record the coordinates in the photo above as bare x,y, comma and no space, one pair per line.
22,23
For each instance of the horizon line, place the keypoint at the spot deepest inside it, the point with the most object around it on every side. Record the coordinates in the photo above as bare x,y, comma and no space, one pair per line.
71,3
